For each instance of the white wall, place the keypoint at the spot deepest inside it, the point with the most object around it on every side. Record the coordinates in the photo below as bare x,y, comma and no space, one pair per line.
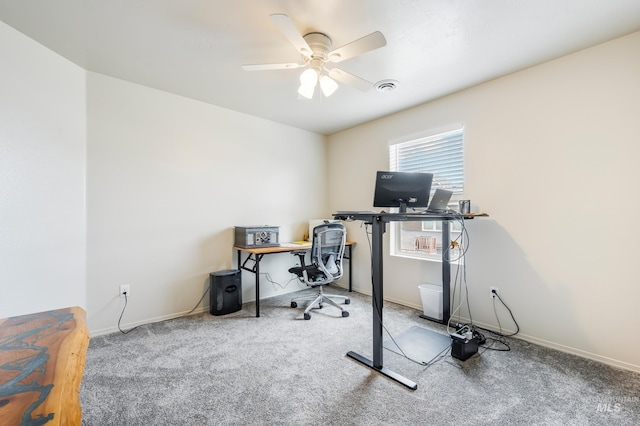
551,154
42,159
168,179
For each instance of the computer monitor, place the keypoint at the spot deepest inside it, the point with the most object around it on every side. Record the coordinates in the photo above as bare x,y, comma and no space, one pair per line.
402,189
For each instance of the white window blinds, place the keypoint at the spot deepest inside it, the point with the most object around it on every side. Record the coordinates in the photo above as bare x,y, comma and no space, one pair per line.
440,154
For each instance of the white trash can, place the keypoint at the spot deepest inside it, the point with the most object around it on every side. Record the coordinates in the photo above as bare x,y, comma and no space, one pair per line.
431,295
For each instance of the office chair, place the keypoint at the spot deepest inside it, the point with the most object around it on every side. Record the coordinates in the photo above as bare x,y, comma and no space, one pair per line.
327,248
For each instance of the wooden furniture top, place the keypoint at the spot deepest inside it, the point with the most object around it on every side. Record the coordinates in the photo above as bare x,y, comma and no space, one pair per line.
42,358
281,249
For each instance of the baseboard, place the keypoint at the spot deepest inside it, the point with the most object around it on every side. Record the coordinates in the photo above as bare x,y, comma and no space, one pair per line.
557,346
128,326
563,348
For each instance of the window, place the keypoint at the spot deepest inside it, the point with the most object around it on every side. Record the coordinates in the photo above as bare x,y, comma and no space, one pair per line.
442,155
439,154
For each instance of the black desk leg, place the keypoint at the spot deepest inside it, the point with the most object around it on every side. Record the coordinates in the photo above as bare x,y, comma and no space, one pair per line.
446,272
254,270
377,234
350,267
258,258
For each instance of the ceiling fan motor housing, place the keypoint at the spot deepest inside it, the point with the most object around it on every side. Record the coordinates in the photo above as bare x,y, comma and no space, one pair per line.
320,45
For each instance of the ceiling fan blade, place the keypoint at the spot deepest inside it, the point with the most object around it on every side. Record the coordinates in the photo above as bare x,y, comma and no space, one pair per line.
350,79
290,31
266,67
365,44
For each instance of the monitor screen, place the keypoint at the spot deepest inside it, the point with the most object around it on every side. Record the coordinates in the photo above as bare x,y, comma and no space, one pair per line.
402,189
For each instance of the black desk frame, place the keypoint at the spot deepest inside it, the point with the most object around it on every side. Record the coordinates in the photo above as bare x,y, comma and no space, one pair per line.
257,257
379,222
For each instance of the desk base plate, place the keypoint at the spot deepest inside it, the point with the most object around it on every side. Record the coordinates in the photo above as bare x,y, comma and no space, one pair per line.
390,374
419,344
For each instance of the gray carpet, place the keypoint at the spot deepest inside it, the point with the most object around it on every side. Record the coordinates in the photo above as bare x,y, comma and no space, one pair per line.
280,370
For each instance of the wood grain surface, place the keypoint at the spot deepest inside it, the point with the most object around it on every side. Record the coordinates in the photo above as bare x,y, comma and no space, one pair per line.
42,359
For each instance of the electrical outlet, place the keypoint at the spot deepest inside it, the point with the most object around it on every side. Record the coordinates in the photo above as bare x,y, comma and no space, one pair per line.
492,292
124,289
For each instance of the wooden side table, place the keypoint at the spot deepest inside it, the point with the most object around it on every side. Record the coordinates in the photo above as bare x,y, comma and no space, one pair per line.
42,358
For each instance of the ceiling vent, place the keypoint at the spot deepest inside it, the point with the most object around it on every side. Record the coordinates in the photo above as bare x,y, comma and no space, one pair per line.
386,86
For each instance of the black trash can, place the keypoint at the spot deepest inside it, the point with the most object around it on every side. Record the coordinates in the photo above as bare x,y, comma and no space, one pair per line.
225,292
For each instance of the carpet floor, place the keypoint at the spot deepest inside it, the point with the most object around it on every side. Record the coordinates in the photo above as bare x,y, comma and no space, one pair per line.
279,369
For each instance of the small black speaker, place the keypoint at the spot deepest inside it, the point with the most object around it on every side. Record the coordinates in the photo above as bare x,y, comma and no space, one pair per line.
225,292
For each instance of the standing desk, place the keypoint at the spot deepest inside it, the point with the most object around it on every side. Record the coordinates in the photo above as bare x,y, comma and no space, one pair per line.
379,222
256,254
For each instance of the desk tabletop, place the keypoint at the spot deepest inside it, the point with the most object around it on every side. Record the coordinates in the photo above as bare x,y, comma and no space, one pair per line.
284,248
399,217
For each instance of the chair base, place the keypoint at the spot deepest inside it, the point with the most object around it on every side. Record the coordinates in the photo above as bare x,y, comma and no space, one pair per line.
318,299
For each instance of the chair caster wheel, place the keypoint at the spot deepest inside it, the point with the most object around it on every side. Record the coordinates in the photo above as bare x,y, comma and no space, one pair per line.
347,301
320,306
307,316
345,314
294,305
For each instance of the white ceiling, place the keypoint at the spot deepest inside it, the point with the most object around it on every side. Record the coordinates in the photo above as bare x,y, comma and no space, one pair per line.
195,48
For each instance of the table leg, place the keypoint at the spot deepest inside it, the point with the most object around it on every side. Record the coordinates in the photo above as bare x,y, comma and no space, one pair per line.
350,268
254,270
258,257
446,272
376,364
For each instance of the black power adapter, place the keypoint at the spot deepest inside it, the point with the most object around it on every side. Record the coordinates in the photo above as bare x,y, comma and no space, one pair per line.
464,343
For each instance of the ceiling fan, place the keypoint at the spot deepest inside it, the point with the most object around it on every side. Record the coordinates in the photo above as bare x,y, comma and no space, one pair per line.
316,52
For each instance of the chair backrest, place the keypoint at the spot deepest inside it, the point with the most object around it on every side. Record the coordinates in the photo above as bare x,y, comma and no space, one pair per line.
327,249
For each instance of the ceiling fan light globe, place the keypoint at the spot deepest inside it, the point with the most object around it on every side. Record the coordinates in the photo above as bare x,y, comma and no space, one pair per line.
328,85
309,78
306,91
